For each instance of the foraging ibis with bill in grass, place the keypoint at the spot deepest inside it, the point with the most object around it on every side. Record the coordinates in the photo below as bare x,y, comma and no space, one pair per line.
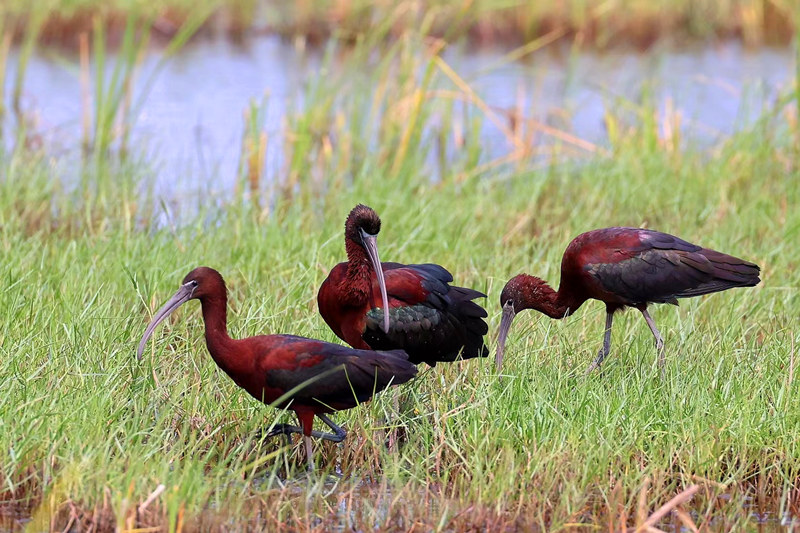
624,267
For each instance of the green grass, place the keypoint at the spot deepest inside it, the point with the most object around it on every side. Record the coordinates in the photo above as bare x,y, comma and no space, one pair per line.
87,433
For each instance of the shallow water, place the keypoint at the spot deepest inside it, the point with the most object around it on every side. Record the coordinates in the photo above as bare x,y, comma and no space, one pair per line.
191,122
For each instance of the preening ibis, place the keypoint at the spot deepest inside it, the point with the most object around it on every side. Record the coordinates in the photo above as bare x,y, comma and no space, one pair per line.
317,377
624,267
428,318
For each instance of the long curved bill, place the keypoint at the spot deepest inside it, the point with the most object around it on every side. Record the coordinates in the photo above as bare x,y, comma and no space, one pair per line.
182,296
505,325
371,245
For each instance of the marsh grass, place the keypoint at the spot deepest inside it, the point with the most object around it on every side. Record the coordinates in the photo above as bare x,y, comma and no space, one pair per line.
84,426
91,438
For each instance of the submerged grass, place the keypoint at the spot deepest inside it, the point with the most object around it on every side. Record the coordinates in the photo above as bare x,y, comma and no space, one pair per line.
91,438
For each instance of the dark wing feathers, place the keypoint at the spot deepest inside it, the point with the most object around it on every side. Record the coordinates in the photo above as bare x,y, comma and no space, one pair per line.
665,241
465,295
413,283
434,272
337,376
434,322
664,268
732,268
707,288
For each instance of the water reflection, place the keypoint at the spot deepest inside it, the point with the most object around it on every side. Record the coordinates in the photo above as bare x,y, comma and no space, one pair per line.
191,123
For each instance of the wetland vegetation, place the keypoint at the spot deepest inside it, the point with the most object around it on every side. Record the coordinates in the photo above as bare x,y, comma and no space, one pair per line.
93,240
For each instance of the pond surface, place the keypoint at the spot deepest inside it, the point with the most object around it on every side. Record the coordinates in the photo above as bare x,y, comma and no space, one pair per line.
191,122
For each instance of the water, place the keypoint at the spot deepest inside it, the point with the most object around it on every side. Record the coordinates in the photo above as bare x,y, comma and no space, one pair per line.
191,123
717,89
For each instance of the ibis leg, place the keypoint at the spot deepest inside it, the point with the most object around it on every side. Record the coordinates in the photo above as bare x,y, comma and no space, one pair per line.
281,429
338,434
309,453
601,355
659,339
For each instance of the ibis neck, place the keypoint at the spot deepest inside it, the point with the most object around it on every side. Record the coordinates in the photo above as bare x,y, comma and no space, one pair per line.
358,282
554,304
216,322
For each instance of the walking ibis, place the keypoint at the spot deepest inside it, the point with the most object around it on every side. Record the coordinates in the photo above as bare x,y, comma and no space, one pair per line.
624,267
428,318
309,377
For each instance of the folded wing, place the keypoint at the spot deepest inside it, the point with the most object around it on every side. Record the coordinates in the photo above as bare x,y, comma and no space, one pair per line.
430,319
339,377
663,268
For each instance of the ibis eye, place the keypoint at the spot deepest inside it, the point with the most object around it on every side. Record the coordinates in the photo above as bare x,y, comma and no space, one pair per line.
194,283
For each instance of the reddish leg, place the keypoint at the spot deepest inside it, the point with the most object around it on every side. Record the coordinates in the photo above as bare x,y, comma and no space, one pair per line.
306,419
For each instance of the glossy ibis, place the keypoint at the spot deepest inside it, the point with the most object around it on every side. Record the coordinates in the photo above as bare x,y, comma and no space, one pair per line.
624,267
428,318
307,376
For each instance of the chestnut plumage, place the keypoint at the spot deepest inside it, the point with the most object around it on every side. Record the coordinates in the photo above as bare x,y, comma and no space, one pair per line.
624,267
428,318
310,377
